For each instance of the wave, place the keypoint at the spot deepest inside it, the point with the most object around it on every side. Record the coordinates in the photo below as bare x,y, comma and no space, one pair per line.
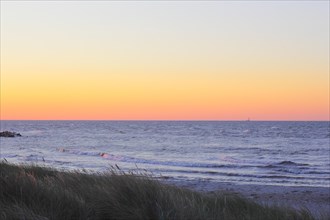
230,174
34,157
282,167
77,152
33,132
285,169
319,172
128,159
290,163
286,163
302,175
8,155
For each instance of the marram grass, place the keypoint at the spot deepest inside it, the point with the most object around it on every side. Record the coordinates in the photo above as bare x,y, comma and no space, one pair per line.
33,192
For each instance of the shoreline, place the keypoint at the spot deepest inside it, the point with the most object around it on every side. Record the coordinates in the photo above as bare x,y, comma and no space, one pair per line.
315,199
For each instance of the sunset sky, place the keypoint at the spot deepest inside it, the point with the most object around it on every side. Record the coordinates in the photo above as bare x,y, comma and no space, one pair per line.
141,60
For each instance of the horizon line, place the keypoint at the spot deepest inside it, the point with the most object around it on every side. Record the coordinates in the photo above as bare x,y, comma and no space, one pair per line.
213,120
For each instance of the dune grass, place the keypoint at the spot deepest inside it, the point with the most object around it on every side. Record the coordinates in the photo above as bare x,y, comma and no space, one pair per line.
33,192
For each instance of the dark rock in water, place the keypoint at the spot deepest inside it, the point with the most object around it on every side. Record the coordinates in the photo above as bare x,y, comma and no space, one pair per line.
9,134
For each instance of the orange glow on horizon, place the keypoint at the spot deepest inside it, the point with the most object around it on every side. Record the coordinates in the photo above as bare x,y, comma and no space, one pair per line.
152,66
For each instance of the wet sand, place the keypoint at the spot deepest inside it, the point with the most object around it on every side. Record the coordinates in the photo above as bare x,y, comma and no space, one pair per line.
315,199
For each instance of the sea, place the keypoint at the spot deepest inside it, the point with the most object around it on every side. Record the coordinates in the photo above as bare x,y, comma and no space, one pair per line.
286,153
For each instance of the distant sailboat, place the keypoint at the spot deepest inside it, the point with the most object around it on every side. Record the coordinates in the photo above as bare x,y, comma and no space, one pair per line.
248,119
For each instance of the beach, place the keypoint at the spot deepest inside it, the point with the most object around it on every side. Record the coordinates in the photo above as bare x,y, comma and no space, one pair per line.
271,163
315,199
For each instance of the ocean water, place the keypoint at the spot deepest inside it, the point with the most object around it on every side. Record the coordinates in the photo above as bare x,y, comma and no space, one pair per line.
247,152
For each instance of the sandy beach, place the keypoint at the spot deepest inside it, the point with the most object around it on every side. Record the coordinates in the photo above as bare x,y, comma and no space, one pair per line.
315,199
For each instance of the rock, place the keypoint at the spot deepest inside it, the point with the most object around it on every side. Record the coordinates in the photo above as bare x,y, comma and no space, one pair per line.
9,134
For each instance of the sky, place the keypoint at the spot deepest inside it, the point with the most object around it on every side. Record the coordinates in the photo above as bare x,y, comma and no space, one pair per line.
165,60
